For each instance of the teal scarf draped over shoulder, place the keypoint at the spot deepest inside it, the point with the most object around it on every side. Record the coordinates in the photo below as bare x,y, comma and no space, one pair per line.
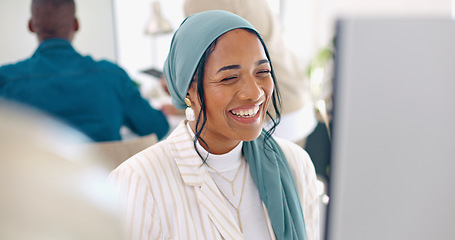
270,172
267,162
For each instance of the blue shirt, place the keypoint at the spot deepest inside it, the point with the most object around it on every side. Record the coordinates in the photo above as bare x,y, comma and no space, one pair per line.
95,97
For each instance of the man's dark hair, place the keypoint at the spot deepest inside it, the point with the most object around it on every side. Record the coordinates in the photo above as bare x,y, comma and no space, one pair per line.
53,19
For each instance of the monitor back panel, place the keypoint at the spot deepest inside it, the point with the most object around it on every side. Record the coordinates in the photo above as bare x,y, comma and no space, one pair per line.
393,146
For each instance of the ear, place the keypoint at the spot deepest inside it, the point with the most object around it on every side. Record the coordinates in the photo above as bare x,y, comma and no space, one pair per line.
192,92
76,25
30,26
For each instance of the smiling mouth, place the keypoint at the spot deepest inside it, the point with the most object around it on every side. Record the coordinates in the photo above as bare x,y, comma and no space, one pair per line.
246,113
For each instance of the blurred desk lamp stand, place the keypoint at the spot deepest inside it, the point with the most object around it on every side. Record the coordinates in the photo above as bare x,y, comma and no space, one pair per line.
157,25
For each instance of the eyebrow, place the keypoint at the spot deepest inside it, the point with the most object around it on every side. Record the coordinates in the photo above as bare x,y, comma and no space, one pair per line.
263,61
228,67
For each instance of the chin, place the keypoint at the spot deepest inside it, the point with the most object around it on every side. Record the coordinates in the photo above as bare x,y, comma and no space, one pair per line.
250,135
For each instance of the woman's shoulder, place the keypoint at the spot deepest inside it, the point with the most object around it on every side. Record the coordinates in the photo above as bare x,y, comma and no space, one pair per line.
161,153
291,149
301,167
143,160
296,156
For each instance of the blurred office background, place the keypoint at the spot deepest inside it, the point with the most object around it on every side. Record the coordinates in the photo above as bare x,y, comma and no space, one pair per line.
116,30
119,31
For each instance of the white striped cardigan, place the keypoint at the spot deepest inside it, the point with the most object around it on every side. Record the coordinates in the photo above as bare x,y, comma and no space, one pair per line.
168,194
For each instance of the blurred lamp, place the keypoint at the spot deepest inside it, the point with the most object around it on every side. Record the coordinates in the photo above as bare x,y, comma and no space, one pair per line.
157,23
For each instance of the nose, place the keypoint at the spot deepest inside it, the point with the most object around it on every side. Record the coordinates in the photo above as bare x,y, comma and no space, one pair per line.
251,89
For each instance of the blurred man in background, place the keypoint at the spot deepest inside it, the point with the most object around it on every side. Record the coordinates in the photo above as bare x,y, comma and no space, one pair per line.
95,97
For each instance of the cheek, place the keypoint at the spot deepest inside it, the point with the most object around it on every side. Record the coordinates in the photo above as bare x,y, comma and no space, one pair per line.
268,88
216,101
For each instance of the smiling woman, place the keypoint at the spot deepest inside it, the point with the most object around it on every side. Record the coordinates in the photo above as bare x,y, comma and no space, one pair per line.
219,175
238,87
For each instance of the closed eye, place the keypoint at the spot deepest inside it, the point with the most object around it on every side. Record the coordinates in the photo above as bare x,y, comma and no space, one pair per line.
228,78
263,73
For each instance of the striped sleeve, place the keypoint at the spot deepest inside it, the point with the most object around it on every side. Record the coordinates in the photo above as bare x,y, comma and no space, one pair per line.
138,206
304,175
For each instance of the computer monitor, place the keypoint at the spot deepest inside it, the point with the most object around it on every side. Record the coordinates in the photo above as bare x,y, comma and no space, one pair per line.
393,149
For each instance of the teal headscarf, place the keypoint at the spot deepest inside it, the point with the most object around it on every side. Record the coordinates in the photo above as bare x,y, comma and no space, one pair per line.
267,162
189,43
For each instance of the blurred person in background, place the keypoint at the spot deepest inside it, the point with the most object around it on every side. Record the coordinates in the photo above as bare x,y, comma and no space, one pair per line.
51,186
95,97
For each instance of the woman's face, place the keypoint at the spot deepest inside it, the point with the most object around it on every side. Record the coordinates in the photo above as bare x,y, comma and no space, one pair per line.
238,86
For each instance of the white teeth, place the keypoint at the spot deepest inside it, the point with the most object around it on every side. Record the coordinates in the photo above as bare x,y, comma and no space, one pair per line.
247,113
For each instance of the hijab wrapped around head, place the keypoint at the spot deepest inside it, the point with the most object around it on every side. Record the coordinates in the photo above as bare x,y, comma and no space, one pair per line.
268,165
190,42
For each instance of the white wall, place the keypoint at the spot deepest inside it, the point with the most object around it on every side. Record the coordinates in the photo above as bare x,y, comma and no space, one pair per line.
16,41
309,24
136,50
394,7
95,37
96,34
